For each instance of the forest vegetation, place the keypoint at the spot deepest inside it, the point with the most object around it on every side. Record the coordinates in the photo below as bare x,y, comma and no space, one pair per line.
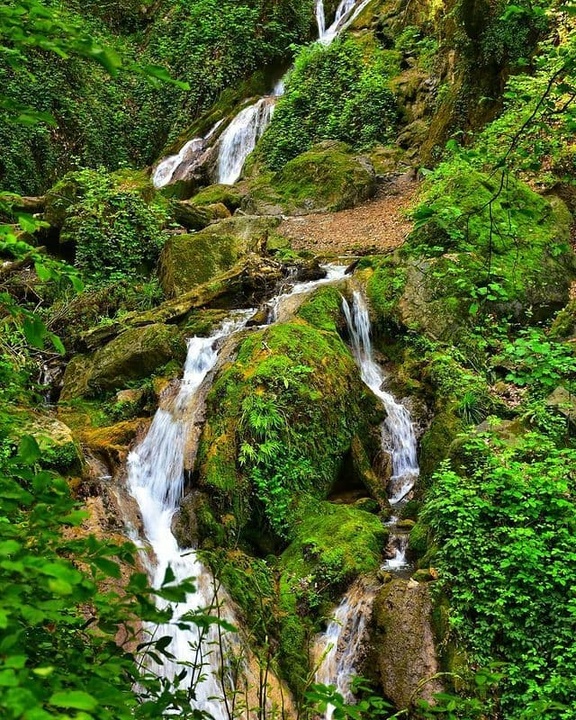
463,112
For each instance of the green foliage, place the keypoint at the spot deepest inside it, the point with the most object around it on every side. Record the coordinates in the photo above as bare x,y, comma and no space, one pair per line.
507,560
68,627
115,231
537,361
337,92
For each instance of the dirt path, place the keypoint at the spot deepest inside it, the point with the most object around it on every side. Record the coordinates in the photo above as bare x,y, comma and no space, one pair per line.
375,226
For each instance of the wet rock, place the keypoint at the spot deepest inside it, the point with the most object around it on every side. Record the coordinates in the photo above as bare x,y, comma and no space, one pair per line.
403,641
228,195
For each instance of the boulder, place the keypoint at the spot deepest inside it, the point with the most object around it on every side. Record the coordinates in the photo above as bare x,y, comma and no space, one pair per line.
228,195
190,260
564,402
133,355
326,177
55,440
403,641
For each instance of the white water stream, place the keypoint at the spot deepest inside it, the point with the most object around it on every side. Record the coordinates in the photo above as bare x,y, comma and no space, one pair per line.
343,639
156,481
397,433
239,139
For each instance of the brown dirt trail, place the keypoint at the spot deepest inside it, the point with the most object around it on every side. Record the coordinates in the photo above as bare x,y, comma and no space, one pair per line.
377,226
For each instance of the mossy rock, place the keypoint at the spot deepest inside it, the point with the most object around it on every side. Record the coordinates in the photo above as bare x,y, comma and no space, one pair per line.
477,247
55,439
295,388
228,195
326,177
190,260
564,325
437,441
333,545
133,355
403,642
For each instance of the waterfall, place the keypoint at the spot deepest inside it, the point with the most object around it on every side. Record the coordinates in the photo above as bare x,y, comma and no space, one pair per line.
320,18
397,432
346,12
240,138
341,645
337,650
156,481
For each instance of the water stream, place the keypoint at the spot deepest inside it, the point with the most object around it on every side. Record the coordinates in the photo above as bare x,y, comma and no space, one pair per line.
155,479
239,139
340,644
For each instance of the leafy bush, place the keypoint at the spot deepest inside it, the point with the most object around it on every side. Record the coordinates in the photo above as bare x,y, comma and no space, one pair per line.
508,561
337,92
115,231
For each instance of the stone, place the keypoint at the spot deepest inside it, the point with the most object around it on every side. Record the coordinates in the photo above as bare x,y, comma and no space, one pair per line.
190,260
564,402
403,642
327,177
133,355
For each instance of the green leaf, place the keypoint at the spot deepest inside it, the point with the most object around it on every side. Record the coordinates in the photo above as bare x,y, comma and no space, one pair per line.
75,699
28,450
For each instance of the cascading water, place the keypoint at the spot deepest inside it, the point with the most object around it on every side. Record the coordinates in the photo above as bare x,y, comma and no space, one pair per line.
333,274
346,12
156,481
191,155
240,138
340,645
397,433
337,650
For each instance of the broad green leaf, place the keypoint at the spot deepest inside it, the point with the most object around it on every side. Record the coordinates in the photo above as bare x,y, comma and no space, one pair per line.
75,699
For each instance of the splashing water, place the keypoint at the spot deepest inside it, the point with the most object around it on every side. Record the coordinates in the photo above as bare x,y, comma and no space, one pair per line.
156,481
337,650
398,433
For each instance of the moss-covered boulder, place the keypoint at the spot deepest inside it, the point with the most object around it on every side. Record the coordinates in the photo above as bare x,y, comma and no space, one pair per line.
195,217
190,260
332,546
228,195
479,246
281,420
133,355
403,642
327,177
59,450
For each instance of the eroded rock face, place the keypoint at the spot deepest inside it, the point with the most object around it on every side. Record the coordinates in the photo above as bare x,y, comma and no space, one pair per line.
133,355
403,641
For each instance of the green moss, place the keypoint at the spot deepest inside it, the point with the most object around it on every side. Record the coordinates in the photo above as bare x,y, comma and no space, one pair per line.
333,544
281,420
323,309
384,289
435,444
228,195
326,177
